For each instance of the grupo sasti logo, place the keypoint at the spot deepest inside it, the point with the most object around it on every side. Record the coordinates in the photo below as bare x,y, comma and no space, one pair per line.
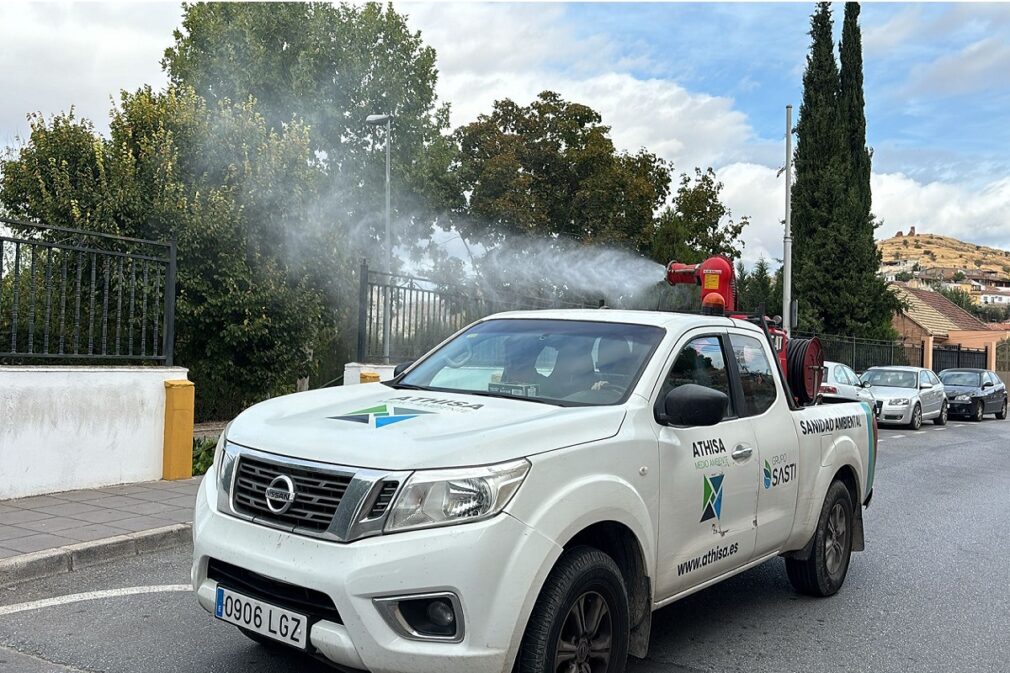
381,415
768,474
712,497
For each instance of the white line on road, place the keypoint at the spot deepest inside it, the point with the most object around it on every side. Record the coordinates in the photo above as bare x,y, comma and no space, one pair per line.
939,429
92,595
897,436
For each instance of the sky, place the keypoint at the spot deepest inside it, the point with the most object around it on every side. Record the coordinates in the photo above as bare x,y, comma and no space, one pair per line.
698,84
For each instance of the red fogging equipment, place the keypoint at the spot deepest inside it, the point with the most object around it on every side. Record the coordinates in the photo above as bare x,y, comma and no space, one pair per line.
800,360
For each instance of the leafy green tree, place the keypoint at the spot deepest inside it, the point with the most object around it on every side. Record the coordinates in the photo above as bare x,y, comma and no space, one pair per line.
331,66
550,169
959,297
758,289
228,188
697,225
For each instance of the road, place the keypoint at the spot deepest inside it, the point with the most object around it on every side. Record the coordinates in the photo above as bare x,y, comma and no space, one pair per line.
929,594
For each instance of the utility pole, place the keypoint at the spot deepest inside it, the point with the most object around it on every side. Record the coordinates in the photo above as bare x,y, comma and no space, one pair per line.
787,241
376,120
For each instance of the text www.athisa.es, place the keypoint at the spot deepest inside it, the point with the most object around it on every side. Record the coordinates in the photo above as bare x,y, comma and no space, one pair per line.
711,556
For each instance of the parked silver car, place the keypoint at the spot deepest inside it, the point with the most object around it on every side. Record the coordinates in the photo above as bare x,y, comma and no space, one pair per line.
841,383
907,395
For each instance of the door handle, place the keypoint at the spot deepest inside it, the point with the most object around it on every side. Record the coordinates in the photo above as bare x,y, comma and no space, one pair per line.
742,452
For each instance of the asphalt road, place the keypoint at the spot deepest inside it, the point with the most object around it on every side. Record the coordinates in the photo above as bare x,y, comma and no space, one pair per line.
930,593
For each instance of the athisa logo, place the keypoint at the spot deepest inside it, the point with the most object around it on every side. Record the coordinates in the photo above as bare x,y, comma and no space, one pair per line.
381,415
711,506
778,471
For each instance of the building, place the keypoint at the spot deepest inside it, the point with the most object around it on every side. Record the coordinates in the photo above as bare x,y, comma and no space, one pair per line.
932,319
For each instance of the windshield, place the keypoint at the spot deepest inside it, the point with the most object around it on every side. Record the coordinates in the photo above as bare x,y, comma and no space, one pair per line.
891,378
565,362
950,378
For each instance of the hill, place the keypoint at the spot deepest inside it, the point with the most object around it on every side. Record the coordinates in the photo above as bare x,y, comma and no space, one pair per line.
932,251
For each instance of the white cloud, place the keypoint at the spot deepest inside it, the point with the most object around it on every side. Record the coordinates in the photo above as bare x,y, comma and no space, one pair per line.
755,191
979,66
492,51
978,216
60,54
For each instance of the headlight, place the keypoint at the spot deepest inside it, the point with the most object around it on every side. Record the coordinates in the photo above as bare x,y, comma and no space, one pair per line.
220,446
899,401
962,398
444,497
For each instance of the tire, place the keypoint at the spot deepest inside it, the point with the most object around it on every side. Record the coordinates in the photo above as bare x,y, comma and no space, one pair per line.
977,411
1001,414
942,418
916,421
583,579
823,574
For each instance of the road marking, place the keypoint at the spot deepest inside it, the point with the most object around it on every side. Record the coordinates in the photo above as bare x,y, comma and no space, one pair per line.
959,425
939,429
92,595
897,436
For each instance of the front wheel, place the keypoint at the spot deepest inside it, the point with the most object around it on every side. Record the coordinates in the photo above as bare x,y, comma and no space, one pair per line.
1001,414
942,418
977,410
580,622
916,421
823,573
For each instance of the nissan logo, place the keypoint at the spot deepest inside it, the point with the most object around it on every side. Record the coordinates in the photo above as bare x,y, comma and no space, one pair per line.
280,494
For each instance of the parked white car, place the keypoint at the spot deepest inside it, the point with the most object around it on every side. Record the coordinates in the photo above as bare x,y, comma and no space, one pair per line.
527,494
841,383
907,395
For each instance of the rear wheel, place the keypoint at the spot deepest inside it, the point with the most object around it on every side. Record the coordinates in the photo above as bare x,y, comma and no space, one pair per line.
580,622
916,421
1001,414
823,573
977,410
942,418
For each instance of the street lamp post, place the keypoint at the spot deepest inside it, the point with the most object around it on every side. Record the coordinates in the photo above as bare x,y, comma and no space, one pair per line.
378,120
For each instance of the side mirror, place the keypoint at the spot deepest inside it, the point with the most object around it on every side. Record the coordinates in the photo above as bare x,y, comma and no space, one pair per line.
694,405
987,384
865,384
925,386
402,367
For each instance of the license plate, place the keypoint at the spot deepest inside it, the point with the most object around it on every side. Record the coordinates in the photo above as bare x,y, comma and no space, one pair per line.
269,620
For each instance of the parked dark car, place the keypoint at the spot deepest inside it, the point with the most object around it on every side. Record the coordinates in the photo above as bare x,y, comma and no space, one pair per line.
974,392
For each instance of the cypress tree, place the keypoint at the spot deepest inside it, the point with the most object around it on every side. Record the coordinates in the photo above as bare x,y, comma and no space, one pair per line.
820,176
871,314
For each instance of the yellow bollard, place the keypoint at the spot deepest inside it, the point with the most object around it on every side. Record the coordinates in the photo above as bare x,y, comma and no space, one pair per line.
368,377
178,451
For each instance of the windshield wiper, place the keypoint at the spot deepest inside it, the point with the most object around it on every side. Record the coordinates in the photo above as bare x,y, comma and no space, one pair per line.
484,393
406,386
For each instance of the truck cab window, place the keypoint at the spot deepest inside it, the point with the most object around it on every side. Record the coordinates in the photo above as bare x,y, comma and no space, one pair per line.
700,362
756,376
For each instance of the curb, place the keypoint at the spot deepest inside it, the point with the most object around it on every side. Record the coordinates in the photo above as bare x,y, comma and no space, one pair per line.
61,560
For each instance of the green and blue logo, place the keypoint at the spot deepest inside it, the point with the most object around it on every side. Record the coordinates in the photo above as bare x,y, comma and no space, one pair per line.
381,415
712,497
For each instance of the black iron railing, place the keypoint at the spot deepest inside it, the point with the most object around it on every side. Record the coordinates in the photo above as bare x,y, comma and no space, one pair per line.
423,312
861,354
955,357
71,295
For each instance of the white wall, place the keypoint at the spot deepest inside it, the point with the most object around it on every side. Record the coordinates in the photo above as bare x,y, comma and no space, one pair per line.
352,372
65,428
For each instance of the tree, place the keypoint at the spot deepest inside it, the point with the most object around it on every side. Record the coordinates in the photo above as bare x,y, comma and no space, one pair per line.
248,316
758,289
831,197
959,297
550,169
331,66
697,225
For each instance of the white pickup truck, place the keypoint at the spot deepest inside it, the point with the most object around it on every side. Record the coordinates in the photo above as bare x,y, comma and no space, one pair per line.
527,494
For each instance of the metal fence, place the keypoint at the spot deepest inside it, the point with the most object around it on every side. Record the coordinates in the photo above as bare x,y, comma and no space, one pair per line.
71,295
861,354
422,312
952,357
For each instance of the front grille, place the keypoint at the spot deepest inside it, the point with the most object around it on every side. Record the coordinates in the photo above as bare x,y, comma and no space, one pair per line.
317,494
306,601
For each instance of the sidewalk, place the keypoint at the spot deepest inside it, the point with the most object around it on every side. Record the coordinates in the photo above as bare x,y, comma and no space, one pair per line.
47,522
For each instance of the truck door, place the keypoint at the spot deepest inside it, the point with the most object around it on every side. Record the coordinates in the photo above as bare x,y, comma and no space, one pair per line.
709,476
777,446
